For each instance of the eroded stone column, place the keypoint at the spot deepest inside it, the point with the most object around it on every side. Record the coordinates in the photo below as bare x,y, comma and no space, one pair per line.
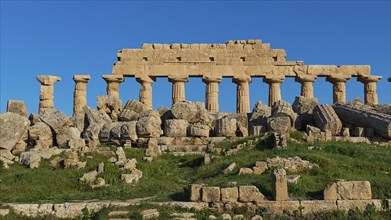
339,88
46,96
80,93
307,89
370,95
242,94
274,88
146,91
113,82
178,88
212,93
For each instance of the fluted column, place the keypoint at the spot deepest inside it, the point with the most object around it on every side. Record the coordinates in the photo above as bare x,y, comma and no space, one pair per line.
242,94
146,91
80,93
46,96
307,89
339,88
274,88
370,95
212,93
113,82
178,88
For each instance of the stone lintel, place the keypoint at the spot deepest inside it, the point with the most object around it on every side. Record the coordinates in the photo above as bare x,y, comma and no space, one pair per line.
211,79
305,78
47,79
81,78
113,78
366,79
354,70
174,79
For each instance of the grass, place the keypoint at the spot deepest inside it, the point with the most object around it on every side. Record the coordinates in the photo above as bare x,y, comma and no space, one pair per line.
168,176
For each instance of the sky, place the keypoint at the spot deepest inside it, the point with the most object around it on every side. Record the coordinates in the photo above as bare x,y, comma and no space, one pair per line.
64,38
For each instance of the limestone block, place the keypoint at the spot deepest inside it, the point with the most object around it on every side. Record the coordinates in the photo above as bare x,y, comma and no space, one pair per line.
153,149
348,190
55,119
30,159
76,144
184,110
176,128
245,170
282,108
13,127
135,106
133,177
195,192
40,131
317,206
150,214
226,127
346,205
280,124
381,123
104,134
281,207
66,134
280,186
304,107
47,79
128,131
327,119
89,177
18,107
120,154
128,115
199,130
148,126
68,210
210,194
229,194
250,194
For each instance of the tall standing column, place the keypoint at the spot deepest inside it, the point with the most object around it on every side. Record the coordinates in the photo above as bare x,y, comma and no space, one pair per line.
274,88
307,89
113,82
339,88
212,93
178,88
46,96
146,91
242,94
80,93
370,95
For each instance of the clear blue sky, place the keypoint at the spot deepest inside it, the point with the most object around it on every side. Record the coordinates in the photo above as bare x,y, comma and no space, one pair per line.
69,37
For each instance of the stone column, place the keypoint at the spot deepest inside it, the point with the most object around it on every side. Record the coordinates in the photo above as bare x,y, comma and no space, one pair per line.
370,95
339,88
212,93
274,88
280,185
46,96
113,82
80,93
178,88
146,91
307,89
242,94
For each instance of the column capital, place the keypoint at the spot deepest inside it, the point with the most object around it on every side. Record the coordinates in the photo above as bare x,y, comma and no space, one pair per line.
211,79
113,78
241,79
305,78
337,79
48,80
174,79
273,79
145,79
81,78
366,79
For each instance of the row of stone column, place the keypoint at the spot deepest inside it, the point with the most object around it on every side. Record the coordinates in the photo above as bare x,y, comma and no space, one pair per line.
211,93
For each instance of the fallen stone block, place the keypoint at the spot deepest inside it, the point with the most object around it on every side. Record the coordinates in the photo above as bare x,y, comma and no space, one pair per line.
327,119
30,159
18,107
250,194
13,127
229,194
210,194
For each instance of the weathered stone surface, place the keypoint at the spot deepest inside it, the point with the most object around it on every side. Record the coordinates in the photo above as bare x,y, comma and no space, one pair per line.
109,104
40,131
18,107
12,129
245,170
279,185
280,140
279,124
304,107
89,177
281,207
65,135
128,115
149,124
210,194
350,114
250,194
176,128
348,190
195,192
68,210
120,154
361,205
291,164
327,119
317,206
260,114
241,123
133,177
55,119
150,213
230,168
128,131
229,194
198,130
226,127
153,149
30,159
282,108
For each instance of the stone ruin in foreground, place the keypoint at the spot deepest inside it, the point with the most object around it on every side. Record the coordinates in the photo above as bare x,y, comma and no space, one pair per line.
193,127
